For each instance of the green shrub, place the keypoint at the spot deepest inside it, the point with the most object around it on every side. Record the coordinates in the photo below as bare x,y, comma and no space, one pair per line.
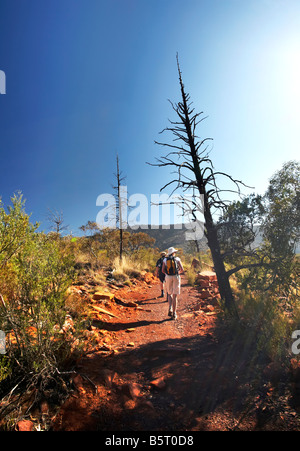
267,324
34,276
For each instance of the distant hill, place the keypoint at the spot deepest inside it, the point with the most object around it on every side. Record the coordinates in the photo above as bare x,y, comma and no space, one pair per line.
176,237
172,236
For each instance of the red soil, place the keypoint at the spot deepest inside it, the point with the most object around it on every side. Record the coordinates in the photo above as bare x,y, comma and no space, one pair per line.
150,373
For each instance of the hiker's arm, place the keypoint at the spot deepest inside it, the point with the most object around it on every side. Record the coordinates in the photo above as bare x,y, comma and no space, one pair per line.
163,268
181,270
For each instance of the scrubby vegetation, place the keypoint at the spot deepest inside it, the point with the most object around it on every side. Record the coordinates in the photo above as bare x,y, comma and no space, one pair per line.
43,321
35,272
41,318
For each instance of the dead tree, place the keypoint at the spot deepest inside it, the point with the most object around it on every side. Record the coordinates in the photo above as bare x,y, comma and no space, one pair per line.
57,221
195,170
120,202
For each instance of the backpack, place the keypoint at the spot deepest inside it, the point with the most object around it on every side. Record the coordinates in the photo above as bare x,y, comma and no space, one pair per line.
171,266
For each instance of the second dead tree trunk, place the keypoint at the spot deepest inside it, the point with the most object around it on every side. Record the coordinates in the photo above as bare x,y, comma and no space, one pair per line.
120,210
120,203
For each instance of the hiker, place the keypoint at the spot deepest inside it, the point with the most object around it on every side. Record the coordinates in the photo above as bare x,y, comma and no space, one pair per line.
172,268
159,272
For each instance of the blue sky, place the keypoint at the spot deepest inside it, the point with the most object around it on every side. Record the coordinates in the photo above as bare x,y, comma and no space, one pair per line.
86,79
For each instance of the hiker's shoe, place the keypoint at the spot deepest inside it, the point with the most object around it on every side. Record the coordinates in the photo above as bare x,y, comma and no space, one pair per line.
170,313
174,316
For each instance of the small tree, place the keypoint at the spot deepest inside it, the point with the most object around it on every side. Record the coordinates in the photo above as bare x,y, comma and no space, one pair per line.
34,276
281,233
238,229
56,220
15,227
274,219
91,244
282,224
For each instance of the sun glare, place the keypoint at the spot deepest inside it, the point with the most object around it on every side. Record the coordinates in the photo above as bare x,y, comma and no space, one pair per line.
280,70
288,67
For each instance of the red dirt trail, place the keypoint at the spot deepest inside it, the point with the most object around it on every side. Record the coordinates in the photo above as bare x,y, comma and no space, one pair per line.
152,373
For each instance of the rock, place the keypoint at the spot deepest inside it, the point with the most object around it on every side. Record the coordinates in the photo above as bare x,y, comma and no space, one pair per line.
204,294
158,383
102,310
211,313
131,389
78,384
104,347
25,425
126,303
204,283
207,275
148,277
131,304
68,324
214,301
102,296
108,377
187,315
77,381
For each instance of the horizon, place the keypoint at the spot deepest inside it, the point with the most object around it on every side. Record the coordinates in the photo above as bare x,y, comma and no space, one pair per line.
87,80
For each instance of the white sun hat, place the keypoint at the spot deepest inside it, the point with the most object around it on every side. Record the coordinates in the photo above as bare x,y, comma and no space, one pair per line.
171,251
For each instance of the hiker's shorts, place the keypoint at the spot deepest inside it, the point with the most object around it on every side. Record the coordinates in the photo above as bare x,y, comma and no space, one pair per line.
173,284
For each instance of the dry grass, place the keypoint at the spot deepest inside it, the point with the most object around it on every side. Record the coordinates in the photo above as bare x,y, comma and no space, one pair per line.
126,269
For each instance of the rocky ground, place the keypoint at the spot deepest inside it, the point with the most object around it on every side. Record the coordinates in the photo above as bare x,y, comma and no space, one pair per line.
147,372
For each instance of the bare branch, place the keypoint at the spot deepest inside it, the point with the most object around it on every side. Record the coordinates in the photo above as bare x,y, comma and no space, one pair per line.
244,266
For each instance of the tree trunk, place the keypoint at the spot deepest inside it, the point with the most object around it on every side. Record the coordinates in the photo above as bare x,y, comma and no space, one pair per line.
223,280
121,245
119,206
213,242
